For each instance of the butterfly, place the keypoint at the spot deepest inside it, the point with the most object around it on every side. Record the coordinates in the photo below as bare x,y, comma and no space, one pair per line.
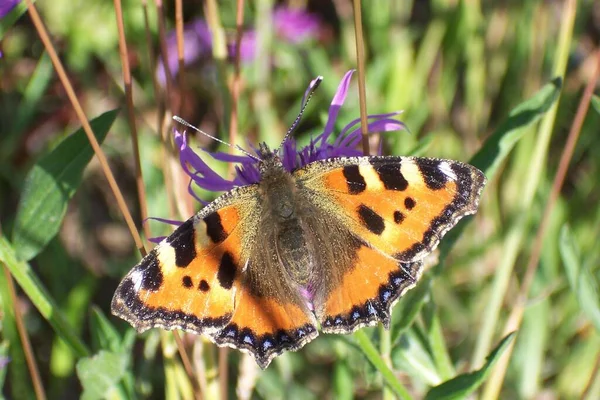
329,247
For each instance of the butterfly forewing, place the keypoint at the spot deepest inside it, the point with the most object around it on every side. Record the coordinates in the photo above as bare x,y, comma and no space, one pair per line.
401,206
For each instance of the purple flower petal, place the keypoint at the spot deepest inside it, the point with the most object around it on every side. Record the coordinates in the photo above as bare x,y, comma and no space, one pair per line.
372,116
227,157
157,239
209,179
6,6
336,104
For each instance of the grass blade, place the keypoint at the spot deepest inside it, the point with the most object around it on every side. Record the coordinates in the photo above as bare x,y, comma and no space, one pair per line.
463,385
373,356
502,141
596,103
40,297
582,281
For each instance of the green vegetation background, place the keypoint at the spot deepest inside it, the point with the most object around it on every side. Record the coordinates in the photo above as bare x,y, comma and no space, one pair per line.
494,83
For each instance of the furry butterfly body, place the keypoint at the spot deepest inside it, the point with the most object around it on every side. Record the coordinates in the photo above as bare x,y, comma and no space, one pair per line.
328,247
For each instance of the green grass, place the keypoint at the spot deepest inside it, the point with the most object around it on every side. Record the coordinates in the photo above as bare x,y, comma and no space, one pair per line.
491,84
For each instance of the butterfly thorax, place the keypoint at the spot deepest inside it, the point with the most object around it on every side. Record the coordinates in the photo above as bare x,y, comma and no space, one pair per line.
282,219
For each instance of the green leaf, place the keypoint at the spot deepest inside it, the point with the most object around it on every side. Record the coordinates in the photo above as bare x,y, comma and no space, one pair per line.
596,103
582,281
25,112
41,299
19,378
101,374
497,147
465,384
343,384
373,356
412,355
104,335
502,141
408,307
50,184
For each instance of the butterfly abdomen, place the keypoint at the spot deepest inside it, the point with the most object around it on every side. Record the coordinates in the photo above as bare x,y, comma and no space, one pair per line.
294,252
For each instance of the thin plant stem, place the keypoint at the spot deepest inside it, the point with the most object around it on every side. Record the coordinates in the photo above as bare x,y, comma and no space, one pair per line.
38,387
233,133
515,319
360,63
385,349
237,79
151,57
139,180
179,36
187,365
164,53
166,143
219,54
60,70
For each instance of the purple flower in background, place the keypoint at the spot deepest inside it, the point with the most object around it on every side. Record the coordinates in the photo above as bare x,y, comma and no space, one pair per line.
6,6
291,25
197,43
295,25
318,149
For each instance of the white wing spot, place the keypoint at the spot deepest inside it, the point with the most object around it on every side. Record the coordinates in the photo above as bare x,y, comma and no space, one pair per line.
136,277
447,170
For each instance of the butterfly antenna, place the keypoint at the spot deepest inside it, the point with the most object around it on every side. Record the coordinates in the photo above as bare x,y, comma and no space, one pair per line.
313,87
187,124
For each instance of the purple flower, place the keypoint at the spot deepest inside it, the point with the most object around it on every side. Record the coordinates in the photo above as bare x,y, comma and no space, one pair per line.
291,25
319,148
6,6
197,43
295,25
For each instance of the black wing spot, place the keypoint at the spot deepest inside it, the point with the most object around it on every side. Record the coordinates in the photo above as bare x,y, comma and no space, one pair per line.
390,175
355,181
371,220
398,217
152,277
214,228
434,178
409,203
183,242
187,282
227,270
204,286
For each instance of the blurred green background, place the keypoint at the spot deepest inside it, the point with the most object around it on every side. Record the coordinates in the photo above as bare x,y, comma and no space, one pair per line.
457,69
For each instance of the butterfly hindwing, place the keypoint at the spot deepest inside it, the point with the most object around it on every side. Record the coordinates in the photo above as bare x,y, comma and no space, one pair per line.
366,294
266,327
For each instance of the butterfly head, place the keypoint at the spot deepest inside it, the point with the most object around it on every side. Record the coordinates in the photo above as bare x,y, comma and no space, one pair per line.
269,160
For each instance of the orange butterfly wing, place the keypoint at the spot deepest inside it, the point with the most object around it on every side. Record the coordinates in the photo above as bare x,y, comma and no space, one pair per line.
196,280
398,208
187,281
